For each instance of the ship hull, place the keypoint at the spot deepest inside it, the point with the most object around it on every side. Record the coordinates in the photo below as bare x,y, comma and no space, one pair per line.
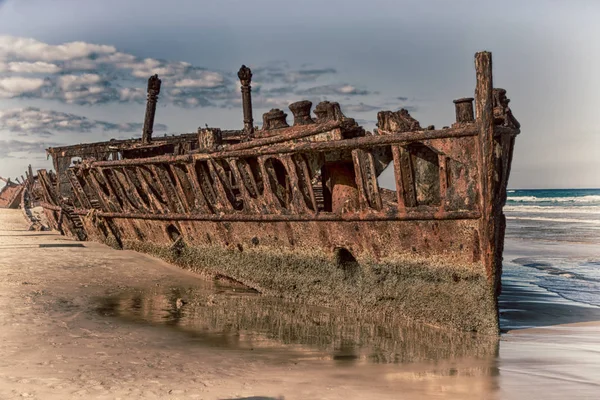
428,271
299,212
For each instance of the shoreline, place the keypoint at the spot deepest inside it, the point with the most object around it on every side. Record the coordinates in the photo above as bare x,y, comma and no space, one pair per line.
522,301
189,338
523,306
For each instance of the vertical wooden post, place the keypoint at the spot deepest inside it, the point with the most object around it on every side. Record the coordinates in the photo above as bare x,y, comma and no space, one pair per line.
363,197
153,91
491,213
443,170
30,178
400,184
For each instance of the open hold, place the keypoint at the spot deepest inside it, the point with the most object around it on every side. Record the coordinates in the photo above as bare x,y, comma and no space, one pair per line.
101,182
347,263
206,184
178,245
132,175
344,193
251,176
181,171
173,233
138,232
231,186
280,181
152,184
426,172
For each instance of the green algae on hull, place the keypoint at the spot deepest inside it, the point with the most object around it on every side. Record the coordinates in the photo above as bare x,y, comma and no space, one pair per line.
451,298
232,318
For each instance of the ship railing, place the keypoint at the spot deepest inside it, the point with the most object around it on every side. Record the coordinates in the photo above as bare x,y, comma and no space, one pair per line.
459,172
276,182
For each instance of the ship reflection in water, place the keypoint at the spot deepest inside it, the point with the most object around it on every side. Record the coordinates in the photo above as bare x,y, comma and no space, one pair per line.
381,357
238,318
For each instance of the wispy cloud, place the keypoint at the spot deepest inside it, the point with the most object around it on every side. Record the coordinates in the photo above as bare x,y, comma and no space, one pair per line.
360,107
281,71
88,74
368,123
35,122
408,108
343,89
12,148
307,75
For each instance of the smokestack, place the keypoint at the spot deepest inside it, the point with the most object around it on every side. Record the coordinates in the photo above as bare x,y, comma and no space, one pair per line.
153,91
464,110
245,75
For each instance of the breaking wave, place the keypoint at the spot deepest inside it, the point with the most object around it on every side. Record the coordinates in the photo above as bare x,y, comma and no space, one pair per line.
552,209
564,220
572,199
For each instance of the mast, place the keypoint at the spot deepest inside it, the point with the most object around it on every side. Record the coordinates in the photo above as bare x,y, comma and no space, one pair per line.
245,75
153,91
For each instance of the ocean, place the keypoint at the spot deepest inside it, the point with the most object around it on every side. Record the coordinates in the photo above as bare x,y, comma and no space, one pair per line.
569,215
553,242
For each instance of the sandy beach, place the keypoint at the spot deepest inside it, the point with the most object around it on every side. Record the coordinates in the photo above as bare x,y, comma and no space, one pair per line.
81,320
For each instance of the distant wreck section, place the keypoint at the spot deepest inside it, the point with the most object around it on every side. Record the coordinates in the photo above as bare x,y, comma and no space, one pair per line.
10,194
25,194
297,210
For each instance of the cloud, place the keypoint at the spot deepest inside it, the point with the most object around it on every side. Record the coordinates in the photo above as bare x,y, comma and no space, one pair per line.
278,91
89,74
280,71
334,89
408,108
204,80
361,107
10,148
26,67
307,75
16,86
33,121
260,102
32,50
194,101
367,123
131,95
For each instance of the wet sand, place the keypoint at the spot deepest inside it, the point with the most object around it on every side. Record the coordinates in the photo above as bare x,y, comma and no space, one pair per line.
552,346
84,321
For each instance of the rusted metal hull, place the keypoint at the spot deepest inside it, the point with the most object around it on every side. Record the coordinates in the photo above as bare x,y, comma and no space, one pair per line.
430,271
299,211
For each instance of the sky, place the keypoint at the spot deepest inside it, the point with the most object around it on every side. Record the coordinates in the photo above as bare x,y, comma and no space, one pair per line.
75,71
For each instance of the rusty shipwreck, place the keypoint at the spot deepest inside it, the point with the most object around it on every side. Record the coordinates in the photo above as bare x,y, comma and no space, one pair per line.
24,194
10,194
298,211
